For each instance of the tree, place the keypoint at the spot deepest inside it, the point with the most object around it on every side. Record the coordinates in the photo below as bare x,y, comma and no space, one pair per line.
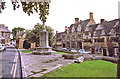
33,35
42,8
15,30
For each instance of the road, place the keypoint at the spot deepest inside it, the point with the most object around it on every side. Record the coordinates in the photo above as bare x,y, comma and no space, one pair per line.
9,63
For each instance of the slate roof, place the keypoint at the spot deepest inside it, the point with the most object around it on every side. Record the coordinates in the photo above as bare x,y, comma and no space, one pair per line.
20,34
60,33
82,24
107,26
4,28
92,28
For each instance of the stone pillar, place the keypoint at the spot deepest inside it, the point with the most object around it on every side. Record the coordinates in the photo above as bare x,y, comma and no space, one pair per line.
43,39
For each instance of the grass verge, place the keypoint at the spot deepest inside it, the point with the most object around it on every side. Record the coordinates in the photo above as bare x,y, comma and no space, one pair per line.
26,51
30,51
61,52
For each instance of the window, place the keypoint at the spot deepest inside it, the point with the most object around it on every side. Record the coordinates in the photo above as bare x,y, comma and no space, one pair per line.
5,34
73,37
115,39
88,40
116,29
2,33
86,33
99,32
99,40
79,36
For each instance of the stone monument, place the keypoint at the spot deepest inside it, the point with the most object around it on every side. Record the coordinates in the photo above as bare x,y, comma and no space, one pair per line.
44,48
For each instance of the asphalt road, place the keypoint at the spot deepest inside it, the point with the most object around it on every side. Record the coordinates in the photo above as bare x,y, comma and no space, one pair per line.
9,63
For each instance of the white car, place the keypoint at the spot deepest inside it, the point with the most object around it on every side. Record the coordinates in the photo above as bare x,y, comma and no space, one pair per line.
74,50
1,47
83,51
4,46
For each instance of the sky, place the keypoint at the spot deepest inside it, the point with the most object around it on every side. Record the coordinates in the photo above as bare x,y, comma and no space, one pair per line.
61,13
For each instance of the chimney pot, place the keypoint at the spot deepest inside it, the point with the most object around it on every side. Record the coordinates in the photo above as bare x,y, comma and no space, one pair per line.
102,20
65,28
56,32
80,20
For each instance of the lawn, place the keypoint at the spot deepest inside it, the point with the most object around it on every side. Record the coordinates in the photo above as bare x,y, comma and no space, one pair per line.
61,52
26,51
30,51
97,68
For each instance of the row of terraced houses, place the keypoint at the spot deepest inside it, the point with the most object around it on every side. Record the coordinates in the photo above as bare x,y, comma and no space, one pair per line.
86,34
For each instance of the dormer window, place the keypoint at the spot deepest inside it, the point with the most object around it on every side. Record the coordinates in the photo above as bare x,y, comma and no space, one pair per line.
79,29
73,29
98,32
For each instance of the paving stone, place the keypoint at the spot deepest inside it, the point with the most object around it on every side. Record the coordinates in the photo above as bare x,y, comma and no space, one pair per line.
37,63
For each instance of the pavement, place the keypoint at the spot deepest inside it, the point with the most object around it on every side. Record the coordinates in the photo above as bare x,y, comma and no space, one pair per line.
9,66
35,63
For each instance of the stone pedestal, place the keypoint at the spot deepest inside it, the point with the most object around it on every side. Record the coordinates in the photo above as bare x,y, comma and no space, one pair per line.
44,48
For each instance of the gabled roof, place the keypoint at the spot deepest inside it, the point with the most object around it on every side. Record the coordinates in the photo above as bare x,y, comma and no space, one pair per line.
107,26
92,28
99,27
59,34
20,34
82,24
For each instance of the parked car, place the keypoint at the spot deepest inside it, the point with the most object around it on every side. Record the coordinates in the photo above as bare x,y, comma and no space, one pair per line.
74,50
65,49
4,46
1,47
83,51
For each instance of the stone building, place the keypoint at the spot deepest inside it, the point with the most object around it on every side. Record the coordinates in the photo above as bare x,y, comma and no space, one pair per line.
21,42
97,38
73,35
104,37
4,34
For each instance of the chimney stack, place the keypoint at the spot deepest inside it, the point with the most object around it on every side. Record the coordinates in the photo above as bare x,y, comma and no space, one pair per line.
80,20
76,20
102,20
7,27
65,28
91,15
56,32
3,25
